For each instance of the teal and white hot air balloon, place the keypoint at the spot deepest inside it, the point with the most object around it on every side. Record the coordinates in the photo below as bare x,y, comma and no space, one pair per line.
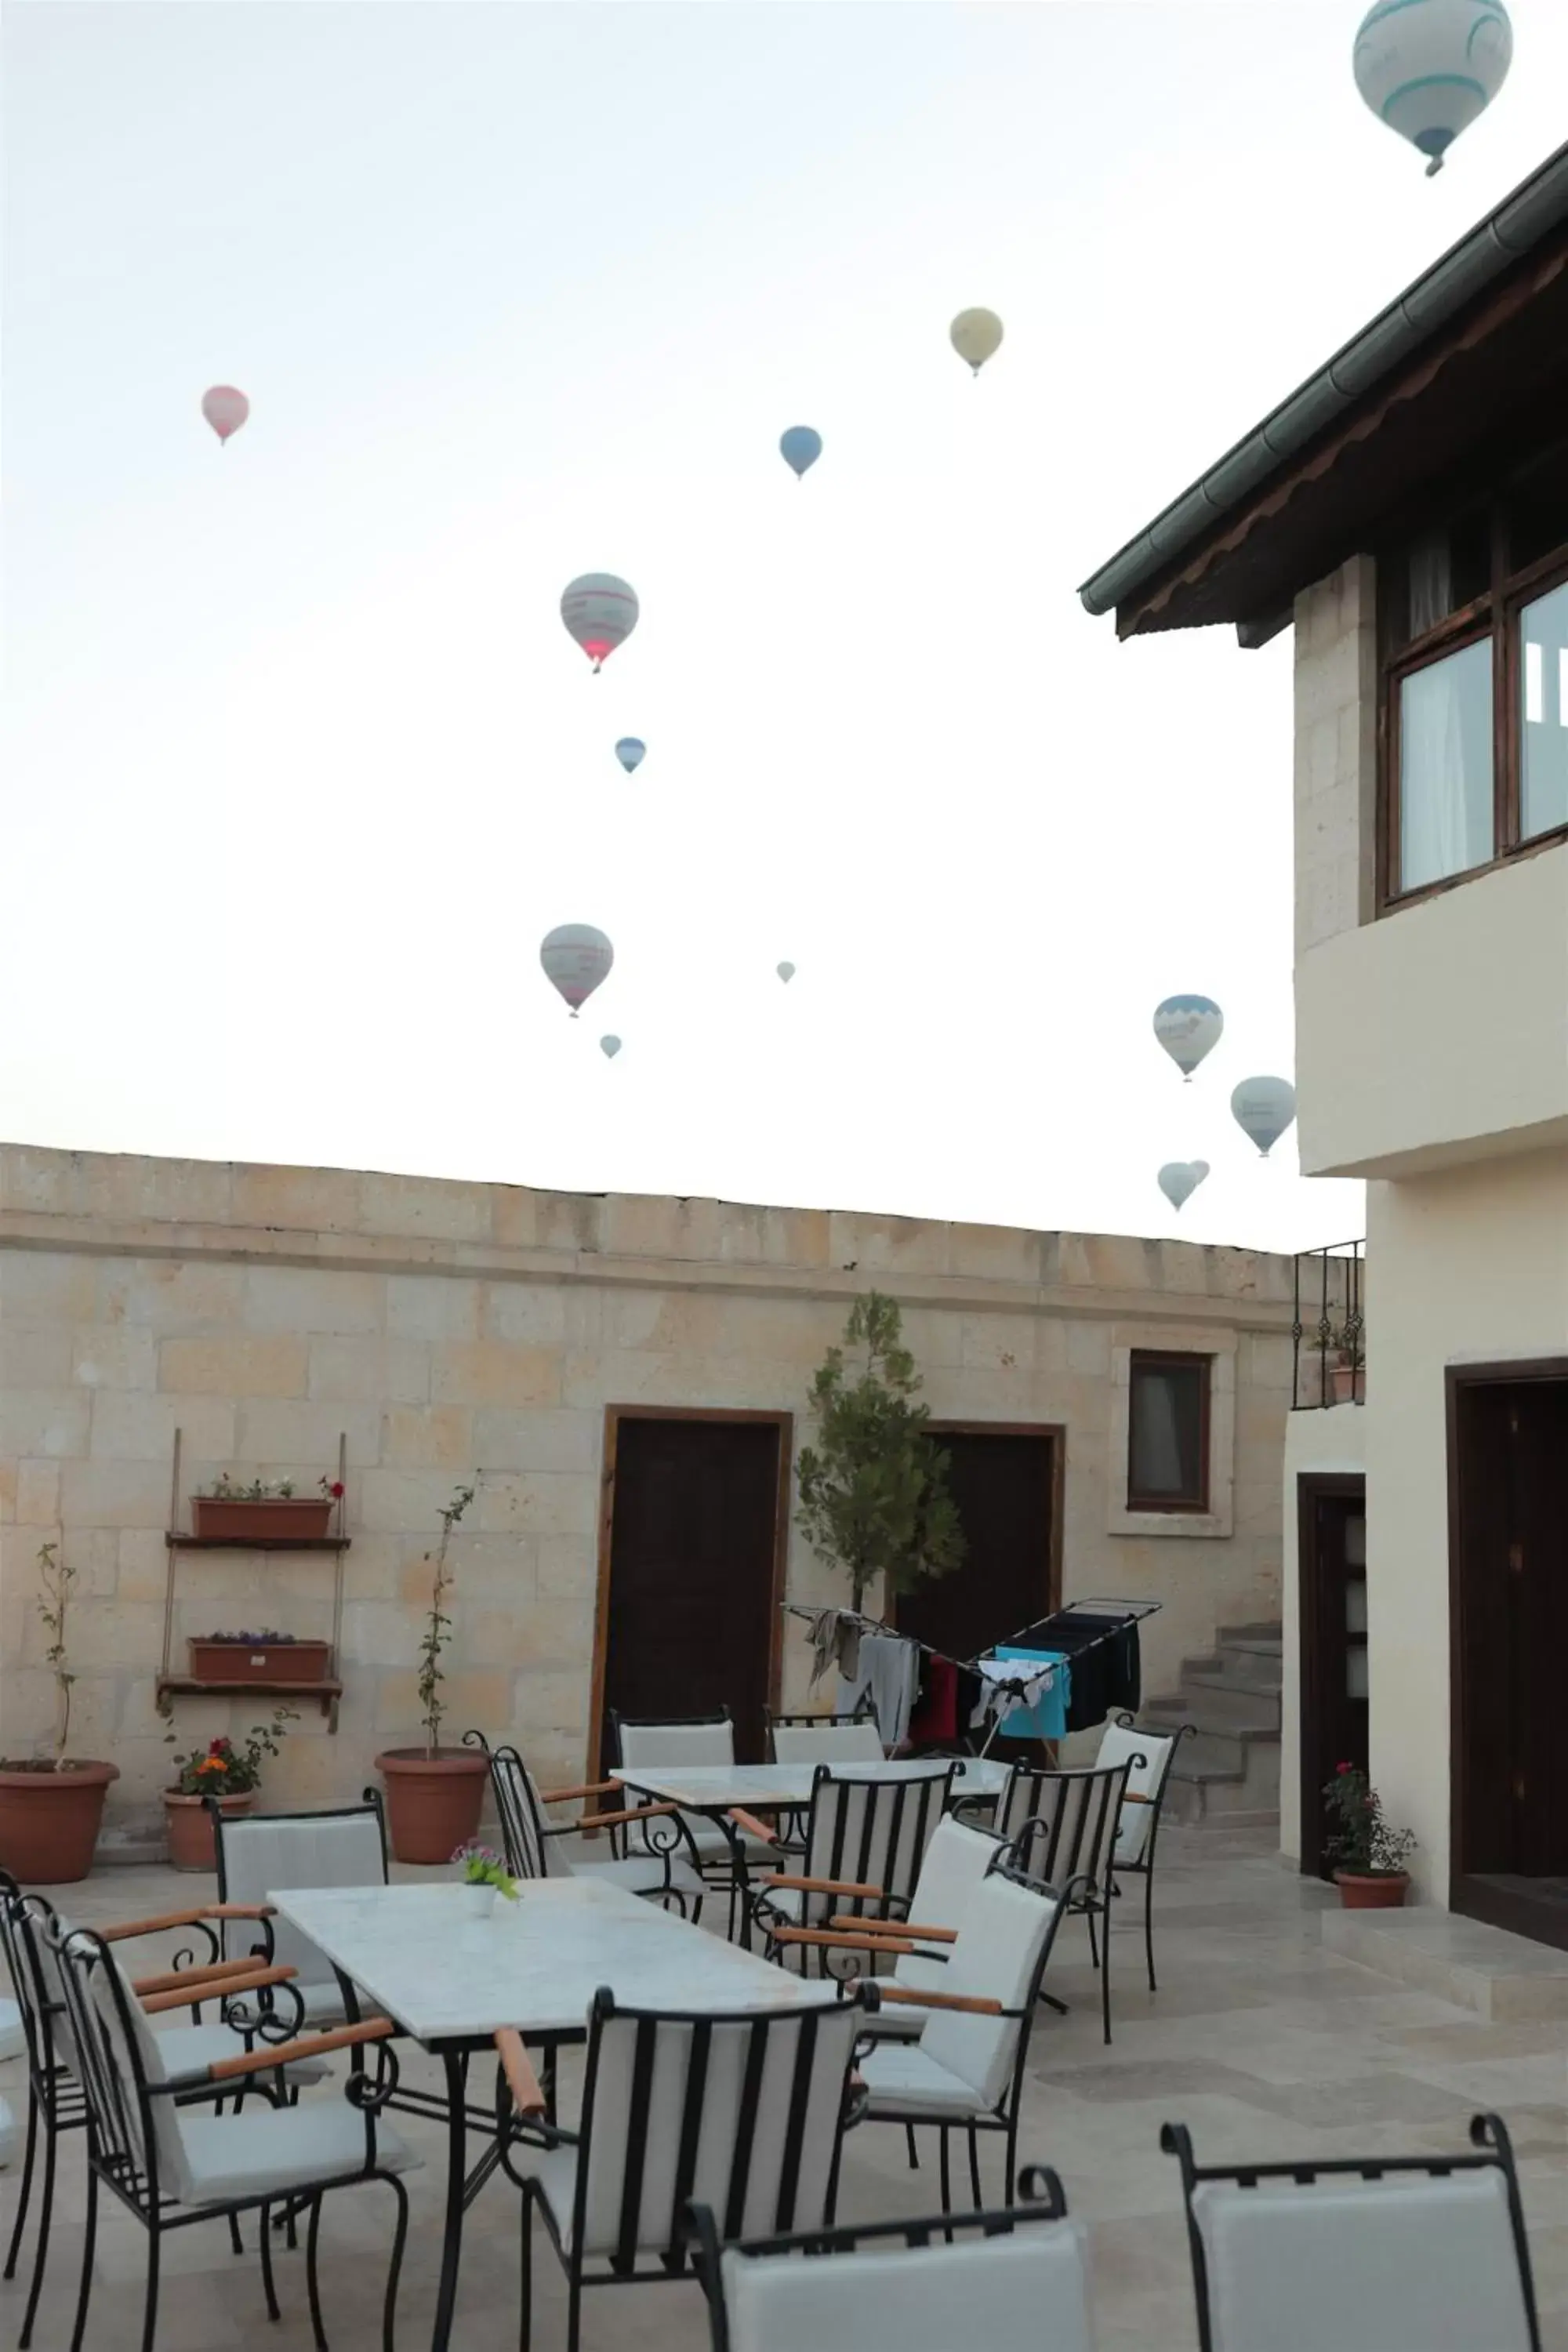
1428,68
1188,1027
630,752
1180,1179
1263,1108
576,957
609,1047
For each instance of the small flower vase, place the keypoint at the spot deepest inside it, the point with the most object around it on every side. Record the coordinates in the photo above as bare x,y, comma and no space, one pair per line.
477,1902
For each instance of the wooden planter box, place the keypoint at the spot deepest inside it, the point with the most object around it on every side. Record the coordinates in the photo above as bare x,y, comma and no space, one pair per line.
286,1519
260,1661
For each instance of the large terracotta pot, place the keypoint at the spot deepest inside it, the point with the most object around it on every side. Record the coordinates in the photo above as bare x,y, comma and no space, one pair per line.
1372,1890
433,1802
277,1518
49,1822
192,1843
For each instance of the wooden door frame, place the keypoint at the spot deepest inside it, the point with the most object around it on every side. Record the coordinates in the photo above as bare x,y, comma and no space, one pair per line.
613,1416
1491,1903
1312,1486
1058,1434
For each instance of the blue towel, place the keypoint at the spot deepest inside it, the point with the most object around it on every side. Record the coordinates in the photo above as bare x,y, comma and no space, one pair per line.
1047,1720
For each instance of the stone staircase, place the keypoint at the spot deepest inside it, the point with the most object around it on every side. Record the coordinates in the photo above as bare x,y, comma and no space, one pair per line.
1229,1774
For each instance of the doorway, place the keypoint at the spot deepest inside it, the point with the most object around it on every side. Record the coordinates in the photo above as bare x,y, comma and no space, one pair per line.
1507,1456
1331,1561
691,1550
1006,1481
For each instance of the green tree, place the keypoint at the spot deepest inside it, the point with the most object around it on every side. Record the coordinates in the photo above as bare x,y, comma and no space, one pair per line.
873,1489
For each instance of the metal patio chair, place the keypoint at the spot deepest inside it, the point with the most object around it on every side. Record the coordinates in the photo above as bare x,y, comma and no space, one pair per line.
1151,1754
345,1845
1063,1828
826,1739
660,1862
864,1842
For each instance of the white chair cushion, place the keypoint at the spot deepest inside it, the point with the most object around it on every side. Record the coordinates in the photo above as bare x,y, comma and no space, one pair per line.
903,2081
188,2048
265,2151
10,2136
1117,1743
273,1851
678,1743
784,1900
1409,2263
642,1874
1024,2289
955,1862
999,1942
827,1743
12,2038
555,2171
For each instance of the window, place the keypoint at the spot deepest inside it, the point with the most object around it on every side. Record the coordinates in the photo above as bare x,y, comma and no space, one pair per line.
1475,639
1168,1432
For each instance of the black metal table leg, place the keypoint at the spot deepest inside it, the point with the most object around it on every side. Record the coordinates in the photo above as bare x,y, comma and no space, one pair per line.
457,2065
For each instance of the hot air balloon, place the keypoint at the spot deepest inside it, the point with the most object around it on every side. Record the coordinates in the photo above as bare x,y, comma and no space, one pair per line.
1428,68
800,447
1263,1108
600,612
975,336
1180,1179
785,972
576,957
1188,1027
630,752
609,1047
225,409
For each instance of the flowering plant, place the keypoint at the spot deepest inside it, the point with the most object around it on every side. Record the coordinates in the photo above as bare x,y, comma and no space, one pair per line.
222,1769
483,1867
1363,1843
225,1490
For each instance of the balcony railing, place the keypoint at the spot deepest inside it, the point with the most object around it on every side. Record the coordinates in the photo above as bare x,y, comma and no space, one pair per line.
1329,1328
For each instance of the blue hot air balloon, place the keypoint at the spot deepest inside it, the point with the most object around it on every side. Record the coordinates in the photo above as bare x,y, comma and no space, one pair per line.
800,447
630,752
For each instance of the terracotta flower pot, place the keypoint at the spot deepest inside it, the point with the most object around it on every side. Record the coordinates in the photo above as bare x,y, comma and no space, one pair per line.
193,1844
49,1822
1347,1382
433,1802
259,1661
276,1517
1371,1890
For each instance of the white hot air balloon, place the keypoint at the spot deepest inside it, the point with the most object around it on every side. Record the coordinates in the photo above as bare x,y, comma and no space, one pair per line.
976,336
1180,1179
785,972
576,957
1428,68
1188,1027
600,612
609,1047
1263,1108
631,752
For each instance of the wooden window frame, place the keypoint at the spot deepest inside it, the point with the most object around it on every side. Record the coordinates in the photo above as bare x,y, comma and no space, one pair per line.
1494,617
1166,1360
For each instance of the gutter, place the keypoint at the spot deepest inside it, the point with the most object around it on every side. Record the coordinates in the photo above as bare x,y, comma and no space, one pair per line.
1519,222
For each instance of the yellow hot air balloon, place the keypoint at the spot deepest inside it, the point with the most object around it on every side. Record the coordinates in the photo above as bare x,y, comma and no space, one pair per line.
975,336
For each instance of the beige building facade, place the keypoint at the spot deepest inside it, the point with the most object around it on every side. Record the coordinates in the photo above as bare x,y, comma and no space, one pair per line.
450,1332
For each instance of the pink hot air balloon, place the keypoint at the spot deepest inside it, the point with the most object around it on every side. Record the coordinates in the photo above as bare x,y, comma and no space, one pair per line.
225,409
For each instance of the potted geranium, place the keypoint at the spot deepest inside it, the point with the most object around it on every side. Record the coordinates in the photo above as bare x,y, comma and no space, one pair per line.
260,1510
221,1774
486,1878
51,1806
1369,1856
432,1793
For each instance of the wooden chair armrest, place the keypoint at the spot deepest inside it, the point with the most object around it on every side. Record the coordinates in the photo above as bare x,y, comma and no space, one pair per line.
896,1928
574,1796
615,1821
1132,1797
751,1826
822,1885
841,1943
257,1978
310,2045
526,2097
158,1925
972,2004
204,1984
240,1911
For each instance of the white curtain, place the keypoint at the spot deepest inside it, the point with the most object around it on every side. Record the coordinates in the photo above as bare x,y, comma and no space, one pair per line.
1156,1438
1445,767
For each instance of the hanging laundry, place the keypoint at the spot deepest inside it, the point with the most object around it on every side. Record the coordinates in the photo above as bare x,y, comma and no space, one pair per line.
1034,1695
887,1671
835,1640
935,1722
1107,1662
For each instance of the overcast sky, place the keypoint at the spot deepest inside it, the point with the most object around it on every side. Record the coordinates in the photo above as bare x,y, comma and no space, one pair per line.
303,764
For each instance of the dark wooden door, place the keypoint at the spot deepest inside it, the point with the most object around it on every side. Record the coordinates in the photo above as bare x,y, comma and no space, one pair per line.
1004,1483
1331,1556
1511,1627
692,1614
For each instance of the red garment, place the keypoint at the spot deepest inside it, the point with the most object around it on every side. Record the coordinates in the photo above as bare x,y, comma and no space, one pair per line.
935,1722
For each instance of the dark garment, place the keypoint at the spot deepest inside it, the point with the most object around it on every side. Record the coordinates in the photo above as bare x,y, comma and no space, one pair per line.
1107,1675
934,1723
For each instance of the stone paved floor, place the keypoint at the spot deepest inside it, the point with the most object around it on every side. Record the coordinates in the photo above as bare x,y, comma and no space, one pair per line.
1263,2042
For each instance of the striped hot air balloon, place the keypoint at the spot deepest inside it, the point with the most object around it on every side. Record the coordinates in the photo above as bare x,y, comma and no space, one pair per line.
600,612
1428,68
576,957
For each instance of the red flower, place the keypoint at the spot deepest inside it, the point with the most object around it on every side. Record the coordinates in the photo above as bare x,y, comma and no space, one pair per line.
1345,1768
336,1490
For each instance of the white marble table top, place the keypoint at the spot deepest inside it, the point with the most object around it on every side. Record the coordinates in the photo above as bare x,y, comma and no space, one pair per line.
714,1788
535,1964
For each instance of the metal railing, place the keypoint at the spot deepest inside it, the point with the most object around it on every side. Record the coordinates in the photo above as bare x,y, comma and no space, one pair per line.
1327,1326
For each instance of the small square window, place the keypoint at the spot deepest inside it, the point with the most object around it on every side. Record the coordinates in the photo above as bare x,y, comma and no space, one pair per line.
1168,1432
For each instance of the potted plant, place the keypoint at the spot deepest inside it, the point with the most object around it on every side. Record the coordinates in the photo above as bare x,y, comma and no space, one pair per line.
873,1489
432,1793
1346,1362
221,1774
486,1878
1369,1856
262,1658
258,1511
51,1806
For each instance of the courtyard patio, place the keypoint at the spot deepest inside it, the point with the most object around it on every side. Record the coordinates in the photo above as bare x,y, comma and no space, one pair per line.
1264,2042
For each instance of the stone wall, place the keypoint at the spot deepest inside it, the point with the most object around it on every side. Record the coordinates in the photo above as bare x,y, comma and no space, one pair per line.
1336,752
446,1328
